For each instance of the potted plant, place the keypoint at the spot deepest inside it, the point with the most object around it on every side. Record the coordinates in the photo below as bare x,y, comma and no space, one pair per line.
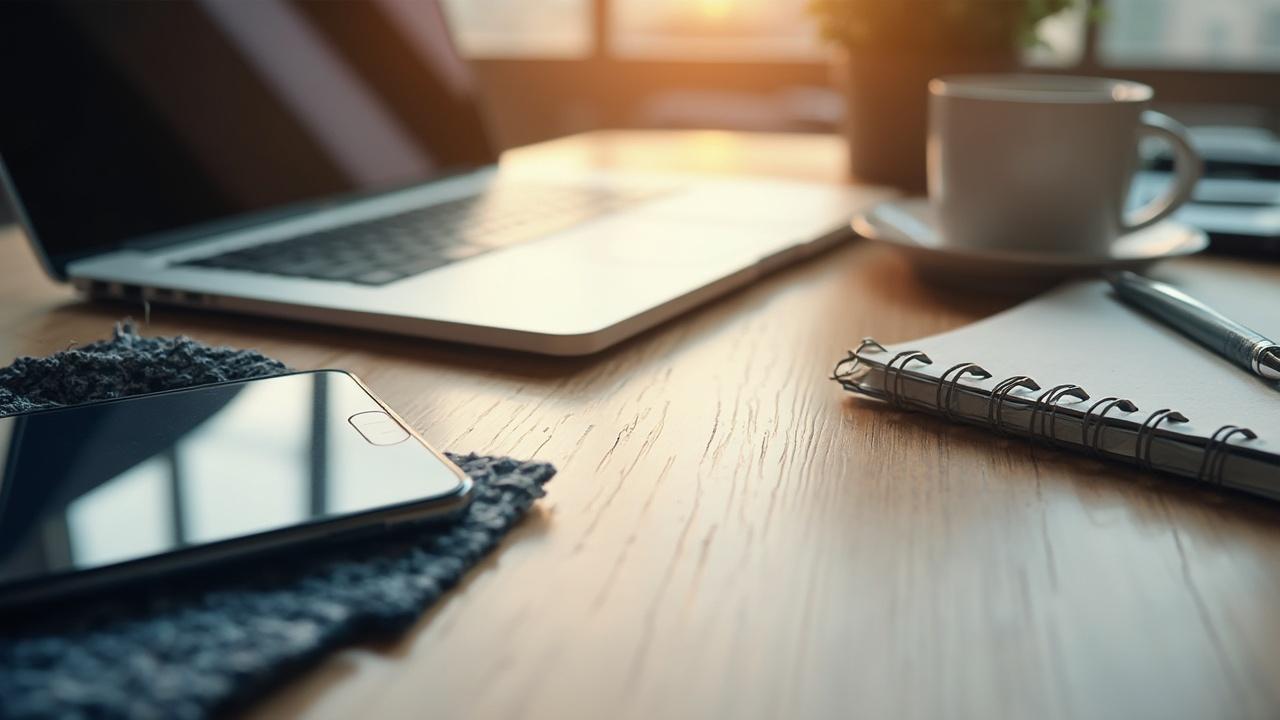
890,49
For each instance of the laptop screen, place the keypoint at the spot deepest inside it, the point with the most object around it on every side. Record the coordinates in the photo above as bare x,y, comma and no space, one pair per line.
124,120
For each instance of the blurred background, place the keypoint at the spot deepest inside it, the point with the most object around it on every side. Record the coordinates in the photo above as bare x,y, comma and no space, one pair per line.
550,68
554,67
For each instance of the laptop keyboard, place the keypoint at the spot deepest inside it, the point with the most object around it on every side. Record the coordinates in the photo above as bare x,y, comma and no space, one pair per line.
391,248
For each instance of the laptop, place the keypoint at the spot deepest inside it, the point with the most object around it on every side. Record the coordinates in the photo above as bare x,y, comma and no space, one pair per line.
329,162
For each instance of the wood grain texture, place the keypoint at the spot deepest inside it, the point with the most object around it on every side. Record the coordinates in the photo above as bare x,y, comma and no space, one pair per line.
730,536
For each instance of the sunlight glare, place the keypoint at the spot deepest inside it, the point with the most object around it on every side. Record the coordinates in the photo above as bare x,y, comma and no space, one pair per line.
715,9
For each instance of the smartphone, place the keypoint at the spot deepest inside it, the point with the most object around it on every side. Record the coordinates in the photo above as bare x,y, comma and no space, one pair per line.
118,491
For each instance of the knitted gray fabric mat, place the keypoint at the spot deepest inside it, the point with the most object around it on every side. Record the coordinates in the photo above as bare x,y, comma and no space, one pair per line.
188,648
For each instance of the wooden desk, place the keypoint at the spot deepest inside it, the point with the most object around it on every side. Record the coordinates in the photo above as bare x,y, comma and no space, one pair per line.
730,536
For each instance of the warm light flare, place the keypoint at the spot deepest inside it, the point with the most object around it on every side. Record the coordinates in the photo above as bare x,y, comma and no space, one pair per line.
715,9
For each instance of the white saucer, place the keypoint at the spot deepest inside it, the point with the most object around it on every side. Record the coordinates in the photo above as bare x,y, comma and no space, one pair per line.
908,224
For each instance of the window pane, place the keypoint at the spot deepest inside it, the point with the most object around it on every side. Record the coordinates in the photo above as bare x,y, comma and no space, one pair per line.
714,29
1209,34
521,28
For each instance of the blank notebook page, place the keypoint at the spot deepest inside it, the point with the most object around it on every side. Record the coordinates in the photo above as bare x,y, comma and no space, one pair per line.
1080,333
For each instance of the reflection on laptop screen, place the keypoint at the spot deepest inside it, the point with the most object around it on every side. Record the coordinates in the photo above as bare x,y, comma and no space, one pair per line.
129,119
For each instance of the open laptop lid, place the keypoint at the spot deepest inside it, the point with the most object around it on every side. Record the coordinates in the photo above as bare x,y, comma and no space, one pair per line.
138,119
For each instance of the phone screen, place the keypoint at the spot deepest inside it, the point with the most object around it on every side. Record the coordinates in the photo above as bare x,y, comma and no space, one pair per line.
91,486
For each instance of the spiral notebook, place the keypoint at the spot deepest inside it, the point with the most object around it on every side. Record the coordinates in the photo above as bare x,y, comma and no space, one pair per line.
1077,369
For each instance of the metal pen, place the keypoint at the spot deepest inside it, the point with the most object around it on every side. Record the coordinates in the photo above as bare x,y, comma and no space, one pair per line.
1237,343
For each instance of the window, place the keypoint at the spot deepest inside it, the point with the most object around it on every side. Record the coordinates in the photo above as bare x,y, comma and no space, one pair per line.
1184,34
713,30
1191,34
522,28
769,30
758,64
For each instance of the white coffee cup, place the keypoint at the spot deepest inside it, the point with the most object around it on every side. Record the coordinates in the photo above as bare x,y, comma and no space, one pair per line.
1043,163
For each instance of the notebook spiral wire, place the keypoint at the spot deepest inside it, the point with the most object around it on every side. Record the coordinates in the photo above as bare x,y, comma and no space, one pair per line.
1000,394
1046,410
1215,452
1044,407
1109,403
948,381
894,368
1141,450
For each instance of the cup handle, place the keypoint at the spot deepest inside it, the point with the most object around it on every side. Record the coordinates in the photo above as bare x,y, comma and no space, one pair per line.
1187,167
